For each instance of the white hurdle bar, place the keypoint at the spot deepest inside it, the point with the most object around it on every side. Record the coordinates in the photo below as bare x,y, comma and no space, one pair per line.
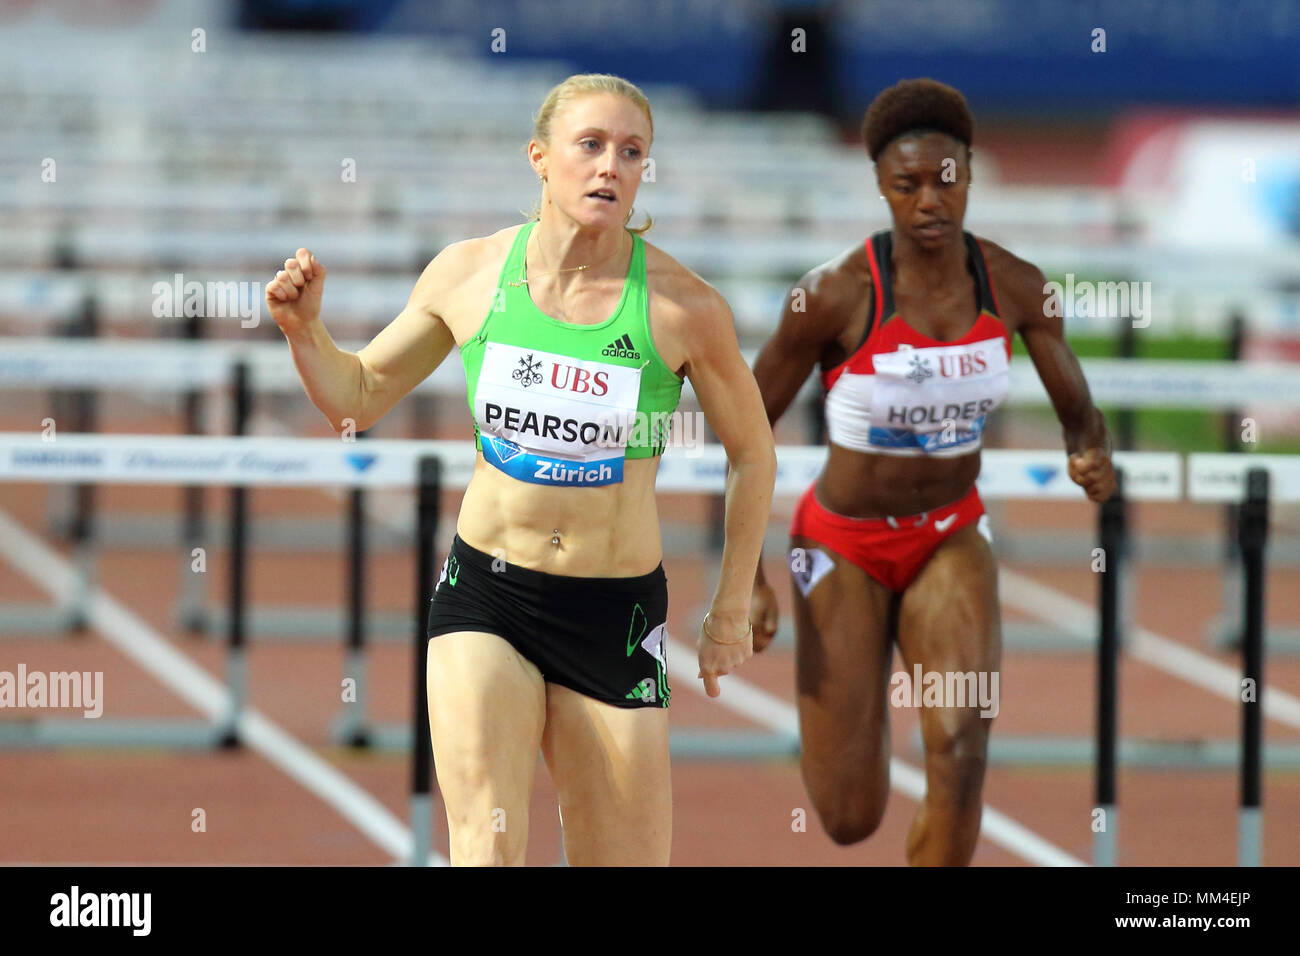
390,463
162,365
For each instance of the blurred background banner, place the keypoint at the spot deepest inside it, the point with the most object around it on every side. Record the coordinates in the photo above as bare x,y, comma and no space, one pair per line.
1232,52
159,160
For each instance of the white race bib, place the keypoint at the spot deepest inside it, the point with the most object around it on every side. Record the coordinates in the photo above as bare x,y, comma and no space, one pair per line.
552,419
937,397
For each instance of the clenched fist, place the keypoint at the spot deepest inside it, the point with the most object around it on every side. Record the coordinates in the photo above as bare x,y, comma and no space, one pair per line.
1093,472
293,296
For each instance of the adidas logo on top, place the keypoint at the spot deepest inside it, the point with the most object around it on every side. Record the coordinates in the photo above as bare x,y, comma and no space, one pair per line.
621,348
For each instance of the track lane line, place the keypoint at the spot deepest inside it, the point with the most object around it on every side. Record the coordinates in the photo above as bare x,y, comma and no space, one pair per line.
123,629
751,701
1073,616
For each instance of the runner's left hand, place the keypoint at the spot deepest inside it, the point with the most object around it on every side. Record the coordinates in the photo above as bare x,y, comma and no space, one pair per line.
719,659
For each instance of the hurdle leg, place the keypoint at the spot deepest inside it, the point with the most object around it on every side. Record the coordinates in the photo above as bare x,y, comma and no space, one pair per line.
1253,531
1112,519
77,612
236,662
351,727
190,610
426,529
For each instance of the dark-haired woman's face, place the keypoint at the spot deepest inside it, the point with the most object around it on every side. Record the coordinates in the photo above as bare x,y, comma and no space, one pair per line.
924,178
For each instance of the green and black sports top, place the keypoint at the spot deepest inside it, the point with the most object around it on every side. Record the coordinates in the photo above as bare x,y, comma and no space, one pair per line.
556,403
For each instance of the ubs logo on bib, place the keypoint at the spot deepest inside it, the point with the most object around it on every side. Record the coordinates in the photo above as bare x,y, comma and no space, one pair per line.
919,370
579,380
956,366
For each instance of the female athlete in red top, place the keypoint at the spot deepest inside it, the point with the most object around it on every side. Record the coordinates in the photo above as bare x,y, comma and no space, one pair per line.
891,542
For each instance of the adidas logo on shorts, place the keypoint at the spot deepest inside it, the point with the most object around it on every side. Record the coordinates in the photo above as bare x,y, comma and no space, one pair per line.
645,690
621,348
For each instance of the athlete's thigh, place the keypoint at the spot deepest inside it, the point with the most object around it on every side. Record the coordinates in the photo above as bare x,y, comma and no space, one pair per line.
842,658
487,706
611,771
949,622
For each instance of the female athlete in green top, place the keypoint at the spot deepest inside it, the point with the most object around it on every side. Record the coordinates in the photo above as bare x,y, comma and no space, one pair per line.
490,709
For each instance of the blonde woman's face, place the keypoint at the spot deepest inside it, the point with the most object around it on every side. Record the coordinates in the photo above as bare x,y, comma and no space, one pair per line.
594,161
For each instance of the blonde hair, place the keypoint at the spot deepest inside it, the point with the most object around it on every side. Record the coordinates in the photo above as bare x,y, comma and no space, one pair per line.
575,87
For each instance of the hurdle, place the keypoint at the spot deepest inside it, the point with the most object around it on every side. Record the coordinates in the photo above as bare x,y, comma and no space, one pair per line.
1213,386
1005,474
434,465
429,479
1113,540
238,463
78,406
1225,631
1249,481
160,367
84,366
182,367
1252,482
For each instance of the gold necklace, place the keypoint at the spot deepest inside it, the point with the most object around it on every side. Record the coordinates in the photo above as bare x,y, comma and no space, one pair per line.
523,267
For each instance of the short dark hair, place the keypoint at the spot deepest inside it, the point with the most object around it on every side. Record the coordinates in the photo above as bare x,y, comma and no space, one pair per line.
915,106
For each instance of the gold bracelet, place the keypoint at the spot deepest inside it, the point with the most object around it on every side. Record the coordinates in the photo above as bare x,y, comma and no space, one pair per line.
709,634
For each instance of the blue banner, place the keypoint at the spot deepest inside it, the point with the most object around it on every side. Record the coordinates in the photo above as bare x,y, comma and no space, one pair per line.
1003,54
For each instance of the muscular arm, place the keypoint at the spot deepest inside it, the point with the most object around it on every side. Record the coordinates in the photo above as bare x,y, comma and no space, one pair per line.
364,386
814,315
1040,326
731,403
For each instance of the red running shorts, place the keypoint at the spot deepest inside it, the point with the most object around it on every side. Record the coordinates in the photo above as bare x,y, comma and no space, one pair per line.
892,550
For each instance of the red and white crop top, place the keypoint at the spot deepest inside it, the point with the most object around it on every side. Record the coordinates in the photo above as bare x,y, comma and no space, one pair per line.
904,393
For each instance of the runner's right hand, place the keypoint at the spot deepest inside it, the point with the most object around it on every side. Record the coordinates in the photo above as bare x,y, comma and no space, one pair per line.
293,296
764,613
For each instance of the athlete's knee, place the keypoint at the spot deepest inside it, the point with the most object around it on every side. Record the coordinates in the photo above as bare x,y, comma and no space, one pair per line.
956,745
847,828
851,814
470,848
487,836
849,810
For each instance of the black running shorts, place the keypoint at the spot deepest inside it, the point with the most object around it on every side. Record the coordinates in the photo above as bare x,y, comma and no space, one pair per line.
602,637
